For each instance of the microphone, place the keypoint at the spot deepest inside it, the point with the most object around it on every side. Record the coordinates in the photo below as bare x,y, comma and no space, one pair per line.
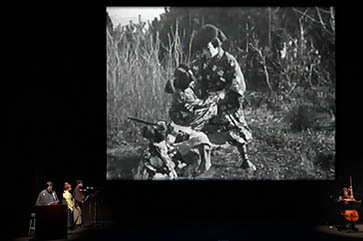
86,189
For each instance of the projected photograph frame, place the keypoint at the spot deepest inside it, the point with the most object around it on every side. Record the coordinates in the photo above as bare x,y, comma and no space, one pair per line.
207,93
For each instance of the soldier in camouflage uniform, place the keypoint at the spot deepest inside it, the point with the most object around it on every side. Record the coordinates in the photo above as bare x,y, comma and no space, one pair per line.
216,71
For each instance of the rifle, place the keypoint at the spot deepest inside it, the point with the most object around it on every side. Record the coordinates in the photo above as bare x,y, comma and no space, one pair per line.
142,121
161,125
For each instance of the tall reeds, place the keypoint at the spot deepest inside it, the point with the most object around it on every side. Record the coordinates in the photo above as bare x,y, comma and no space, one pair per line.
136,77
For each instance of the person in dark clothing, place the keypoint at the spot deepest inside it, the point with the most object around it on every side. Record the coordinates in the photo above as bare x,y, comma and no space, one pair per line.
78,201
47,197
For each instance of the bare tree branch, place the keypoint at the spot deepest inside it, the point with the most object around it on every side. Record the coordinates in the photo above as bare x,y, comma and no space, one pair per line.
304,14
263,62
320,21
320,18
332,18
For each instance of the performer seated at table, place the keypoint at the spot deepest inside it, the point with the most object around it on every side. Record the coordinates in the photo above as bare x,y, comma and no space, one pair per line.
346,195
48,196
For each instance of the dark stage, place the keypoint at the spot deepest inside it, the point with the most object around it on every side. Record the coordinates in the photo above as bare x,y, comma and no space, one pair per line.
155,212
200,232
57,131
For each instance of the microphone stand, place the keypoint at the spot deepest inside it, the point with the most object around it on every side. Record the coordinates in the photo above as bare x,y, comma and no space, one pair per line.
94,217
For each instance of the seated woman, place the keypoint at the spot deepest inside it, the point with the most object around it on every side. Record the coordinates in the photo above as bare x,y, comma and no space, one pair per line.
346,195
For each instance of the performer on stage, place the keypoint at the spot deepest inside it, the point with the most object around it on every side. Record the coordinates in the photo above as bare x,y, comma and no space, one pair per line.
346,212
68,199
48,196
78,201
346,194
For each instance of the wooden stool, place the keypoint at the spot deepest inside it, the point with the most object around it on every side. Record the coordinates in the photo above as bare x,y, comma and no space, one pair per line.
31,224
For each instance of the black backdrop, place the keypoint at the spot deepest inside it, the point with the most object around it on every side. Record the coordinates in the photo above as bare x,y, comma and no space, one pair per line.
57,131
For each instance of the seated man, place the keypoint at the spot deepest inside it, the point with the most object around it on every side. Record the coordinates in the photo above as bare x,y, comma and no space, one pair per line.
156,162
169,148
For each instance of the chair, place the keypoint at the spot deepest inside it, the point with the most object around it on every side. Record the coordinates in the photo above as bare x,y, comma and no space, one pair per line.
31,224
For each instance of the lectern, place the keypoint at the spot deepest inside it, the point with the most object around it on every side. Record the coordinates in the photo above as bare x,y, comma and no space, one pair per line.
51,222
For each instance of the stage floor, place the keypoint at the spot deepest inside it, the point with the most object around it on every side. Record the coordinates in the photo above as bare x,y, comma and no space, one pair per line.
345,233
199,232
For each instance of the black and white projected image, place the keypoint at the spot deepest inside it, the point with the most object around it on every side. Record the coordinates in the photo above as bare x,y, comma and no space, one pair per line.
218,93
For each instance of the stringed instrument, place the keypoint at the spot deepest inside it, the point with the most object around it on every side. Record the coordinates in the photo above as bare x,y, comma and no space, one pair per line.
351,215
